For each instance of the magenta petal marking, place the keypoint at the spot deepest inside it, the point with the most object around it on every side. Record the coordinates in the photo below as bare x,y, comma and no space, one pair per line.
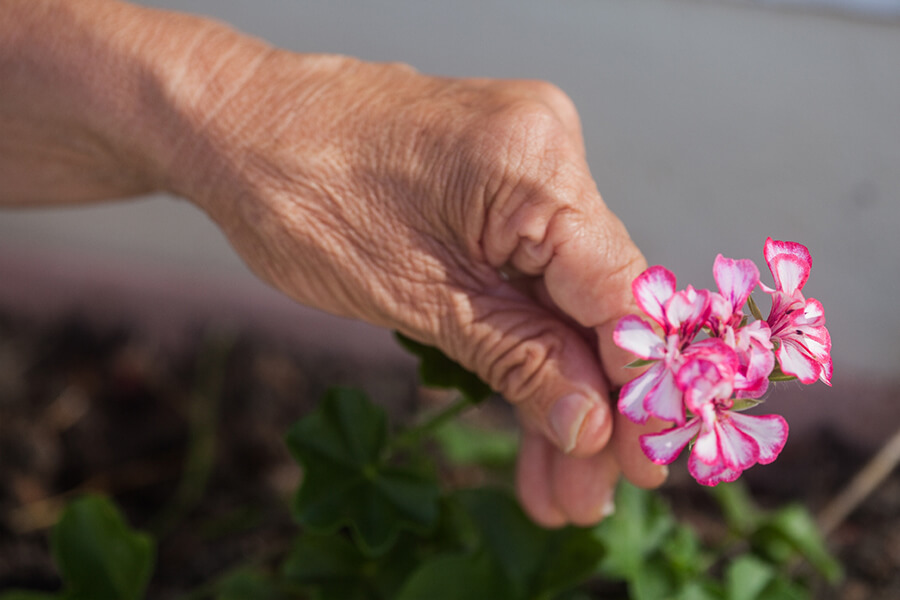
632,394
652,289
736,279
707,374
687,309
664,447
711,474
638,337
790,273
665,400
776,247
738,450
769,431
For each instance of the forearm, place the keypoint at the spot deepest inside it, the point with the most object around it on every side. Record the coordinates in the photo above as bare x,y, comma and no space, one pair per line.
98,99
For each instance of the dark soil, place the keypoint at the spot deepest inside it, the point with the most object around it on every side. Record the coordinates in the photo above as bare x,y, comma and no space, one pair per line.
94,408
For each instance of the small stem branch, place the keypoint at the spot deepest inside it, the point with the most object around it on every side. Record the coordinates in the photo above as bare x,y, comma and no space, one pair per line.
414,434
865,482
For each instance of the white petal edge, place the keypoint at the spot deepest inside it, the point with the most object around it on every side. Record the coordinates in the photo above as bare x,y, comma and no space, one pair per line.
652,289
769,431
795,362
662,448
665,400
632,394
638,337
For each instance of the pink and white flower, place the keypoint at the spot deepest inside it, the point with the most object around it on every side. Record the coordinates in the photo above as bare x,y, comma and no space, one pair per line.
727,442
681,315
797,324
694,382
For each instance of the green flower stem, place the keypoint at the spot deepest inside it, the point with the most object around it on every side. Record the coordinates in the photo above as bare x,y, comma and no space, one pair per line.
414,435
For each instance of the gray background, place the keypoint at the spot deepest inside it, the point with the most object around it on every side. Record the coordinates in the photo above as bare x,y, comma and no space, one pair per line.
709,126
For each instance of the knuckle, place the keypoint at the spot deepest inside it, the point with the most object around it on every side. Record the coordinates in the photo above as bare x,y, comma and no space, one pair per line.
557,100
520,369
526,127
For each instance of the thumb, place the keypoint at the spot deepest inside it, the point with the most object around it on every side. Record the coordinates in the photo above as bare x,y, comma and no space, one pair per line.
588,261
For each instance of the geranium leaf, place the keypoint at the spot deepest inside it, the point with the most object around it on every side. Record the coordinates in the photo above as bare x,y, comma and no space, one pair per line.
347,479
455,576
436,369
795,527
333,568
467,445
98,555
247,583
747,577
640,362
640,523
537,562
778,375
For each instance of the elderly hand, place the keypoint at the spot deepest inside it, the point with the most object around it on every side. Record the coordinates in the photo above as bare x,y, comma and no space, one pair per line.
460,212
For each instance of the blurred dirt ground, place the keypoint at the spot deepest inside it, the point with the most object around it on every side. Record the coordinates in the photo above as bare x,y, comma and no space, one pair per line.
87,407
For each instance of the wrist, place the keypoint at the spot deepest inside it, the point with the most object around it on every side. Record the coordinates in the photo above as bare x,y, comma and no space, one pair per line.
109,89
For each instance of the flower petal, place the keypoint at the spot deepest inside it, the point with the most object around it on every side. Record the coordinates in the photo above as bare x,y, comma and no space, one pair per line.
736,279
632,394
687,311
662,448
707,373
773,248
652,289
826,372
638,337
738,450
790,273
665,400
769,431
706,448
711,474
795,360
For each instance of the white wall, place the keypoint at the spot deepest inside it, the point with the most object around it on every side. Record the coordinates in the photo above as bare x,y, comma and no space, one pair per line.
709,127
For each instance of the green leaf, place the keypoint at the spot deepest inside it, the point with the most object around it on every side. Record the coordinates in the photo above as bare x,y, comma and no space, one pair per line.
747,577
654,581
681,548
247,583
347,480
783,589
793,526
778,375
436,369
740,511
754,308
332,567
466,445
537,562
700,588
455,576
640,523
640,362
98,556
741,404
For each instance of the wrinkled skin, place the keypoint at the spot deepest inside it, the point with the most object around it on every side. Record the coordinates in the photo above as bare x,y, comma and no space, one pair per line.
460,212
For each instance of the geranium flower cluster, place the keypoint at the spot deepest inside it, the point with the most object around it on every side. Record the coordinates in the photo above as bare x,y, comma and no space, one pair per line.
709,361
